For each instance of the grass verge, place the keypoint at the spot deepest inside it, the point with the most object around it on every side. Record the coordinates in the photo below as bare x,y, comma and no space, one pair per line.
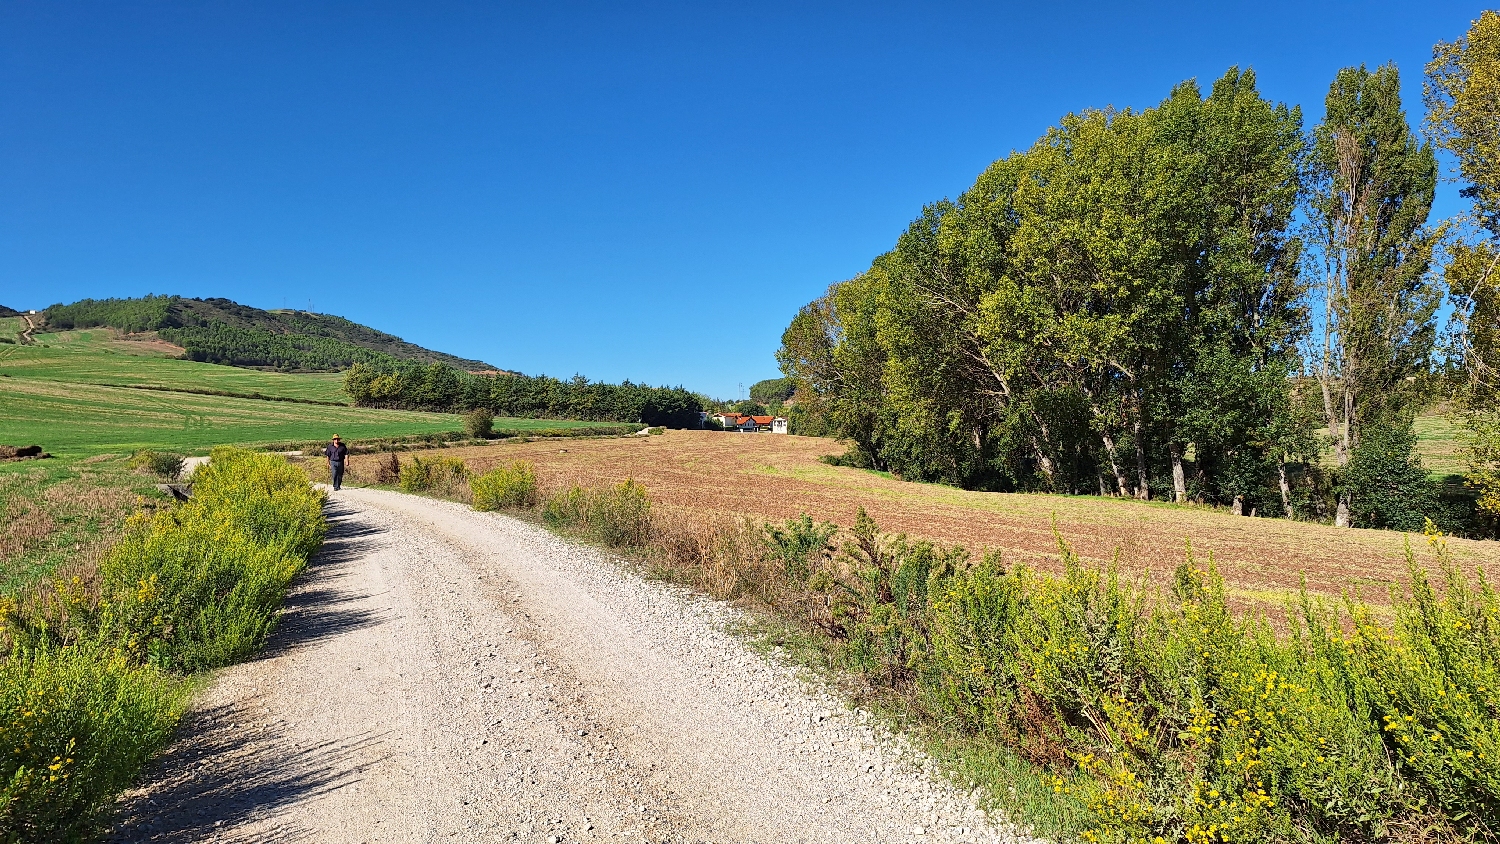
99,662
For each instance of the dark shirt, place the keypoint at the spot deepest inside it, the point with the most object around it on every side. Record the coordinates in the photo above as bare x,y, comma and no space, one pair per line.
335,452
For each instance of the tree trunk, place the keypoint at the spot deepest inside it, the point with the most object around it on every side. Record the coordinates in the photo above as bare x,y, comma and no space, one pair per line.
1044,463
1238,507
1142,479
1179,479
1286,489
1103,489
1114,465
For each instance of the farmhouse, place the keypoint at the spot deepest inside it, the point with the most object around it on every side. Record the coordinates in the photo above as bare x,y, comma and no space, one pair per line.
752,424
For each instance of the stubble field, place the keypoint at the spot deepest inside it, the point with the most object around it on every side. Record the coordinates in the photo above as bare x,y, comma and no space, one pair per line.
778,477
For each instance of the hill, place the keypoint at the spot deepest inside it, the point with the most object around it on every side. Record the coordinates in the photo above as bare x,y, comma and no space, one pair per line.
225,332
86,392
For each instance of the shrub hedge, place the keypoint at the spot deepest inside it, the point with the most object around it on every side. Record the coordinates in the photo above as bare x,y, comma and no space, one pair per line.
93,678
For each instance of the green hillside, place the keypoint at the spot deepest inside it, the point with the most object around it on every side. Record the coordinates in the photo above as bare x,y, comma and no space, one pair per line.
226,332
82,393
102,356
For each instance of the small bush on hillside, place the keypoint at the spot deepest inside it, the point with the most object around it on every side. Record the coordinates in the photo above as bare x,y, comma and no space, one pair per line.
163,464
657,431
617,516
479,423
512,487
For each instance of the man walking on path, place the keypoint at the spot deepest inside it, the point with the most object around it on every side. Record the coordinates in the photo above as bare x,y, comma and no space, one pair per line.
336,452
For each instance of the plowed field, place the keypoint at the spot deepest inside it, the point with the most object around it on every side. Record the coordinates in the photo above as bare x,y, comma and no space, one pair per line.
780,477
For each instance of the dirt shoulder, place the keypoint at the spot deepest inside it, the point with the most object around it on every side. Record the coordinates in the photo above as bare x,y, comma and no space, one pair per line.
450,675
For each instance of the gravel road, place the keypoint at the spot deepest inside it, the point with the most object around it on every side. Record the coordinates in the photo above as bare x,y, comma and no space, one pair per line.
446,675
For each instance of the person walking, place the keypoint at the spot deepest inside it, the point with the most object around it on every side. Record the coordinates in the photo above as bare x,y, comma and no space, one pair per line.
336,452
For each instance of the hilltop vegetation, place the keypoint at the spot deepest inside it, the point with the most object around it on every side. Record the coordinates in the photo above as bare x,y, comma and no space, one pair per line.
225,332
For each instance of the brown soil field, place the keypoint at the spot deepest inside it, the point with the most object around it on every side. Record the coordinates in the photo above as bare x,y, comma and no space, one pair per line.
778,477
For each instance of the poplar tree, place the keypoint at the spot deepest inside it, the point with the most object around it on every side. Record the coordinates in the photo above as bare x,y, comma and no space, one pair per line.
1372,189
1463,116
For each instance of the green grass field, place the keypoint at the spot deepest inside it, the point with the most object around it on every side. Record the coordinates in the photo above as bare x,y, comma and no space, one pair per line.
98,356
73,395
1440,443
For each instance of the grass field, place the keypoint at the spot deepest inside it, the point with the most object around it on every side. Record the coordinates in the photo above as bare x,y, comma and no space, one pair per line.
73,395
1440,443
101,356
778,477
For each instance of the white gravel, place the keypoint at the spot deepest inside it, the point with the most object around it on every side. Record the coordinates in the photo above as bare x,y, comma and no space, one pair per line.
446,675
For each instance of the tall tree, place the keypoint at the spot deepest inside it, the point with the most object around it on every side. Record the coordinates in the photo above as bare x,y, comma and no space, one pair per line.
1372,188
1463,116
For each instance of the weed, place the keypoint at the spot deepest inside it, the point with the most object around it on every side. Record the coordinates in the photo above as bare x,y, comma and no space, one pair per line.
441,475
388,470
616,516
508,487
91,684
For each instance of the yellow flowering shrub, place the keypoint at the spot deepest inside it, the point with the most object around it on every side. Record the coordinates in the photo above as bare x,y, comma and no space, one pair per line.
1174,721
92,683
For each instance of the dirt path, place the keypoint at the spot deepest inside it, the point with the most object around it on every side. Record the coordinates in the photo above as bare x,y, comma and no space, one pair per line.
445,675
25,336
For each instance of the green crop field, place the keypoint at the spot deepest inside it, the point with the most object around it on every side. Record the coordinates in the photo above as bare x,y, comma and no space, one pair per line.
99,356
75,394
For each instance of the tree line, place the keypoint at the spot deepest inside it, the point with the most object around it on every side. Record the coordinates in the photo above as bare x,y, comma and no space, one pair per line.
442,388
1196,301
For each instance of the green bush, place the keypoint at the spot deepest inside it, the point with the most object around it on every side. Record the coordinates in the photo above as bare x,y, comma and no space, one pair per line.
798,544
76,726
511,487
89,688
479,423
442,475
1387,485
163,464
1175,719
617,516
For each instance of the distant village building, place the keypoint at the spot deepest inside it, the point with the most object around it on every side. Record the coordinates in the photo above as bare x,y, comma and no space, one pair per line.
752,424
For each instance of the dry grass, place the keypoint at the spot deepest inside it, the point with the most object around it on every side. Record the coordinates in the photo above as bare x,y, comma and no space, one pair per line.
780,477
54,515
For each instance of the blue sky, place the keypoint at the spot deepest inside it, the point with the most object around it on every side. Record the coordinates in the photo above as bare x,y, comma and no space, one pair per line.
644,191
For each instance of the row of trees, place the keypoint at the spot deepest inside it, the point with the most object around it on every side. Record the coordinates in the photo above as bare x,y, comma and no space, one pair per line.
442,388
217,342
1172,302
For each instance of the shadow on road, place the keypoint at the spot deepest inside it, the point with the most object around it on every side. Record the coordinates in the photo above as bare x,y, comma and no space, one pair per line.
230,765
319,605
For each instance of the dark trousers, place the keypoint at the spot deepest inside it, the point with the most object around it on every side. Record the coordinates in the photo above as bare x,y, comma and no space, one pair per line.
338,474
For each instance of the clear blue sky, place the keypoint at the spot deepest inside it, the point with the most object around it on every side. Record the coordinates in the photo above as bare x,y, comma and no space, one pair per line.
644,191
